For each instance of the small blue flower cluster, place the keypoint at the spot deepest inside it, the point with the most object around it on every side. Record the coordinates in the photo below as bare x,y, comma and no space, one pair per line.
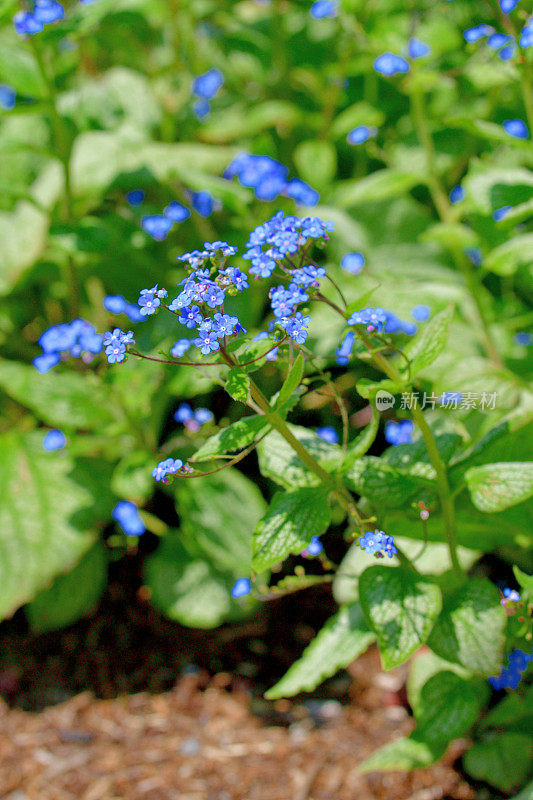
511,675
399,432
390,64
77,338
127,516
44,13
504,44
378,544
193,420
373,319
54,440
135,197
158,226
205,87
510,596
516,128
150,299
117,304
115,343
8,97
170,466
269,179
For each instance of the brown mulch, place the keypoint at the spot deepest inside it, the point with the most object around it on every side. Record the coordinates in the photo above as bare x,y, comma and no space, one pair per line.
201,741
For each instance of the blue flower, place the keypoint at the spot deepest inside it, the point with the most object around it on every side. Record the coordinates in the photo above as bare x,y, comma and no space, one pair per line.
524,339
324,8
180,347
450,399
390,64
329,434
314,548
372,318
115,343
223,247
150,299
506,53
353,262
516,128
421,313
526,35
203,203
26,24
169,466
157,226
508,5
475,255
477,32
127,516
46,361
190,316
399,432
8,97
208,84
203,415
135,197
241,587
510,676
457,194
54,440
499,213
234,277
115,303
498,40
224,324
202,108
510,596
417,49
176,212
301,192
344,352
361,134
377,543
297,326
48,11
183,413
207,342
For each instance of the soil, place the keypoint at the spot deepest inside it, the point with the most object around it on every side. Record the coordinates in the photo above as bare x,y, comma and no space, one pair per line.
129,706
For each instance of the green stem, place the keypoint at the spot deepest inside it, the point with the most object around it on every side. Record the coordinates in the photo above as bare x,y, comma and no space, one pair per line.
527,92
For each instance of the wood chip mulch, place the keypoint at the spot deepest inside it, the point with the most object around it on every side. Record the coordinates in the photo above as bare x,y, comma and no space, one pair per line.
202,741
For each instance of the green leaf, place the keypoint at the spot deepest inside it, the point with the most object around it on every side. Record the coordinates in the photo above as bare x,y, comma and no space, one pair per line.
235,437
291,521
404,754
316,161
448,706
509,256
254,352
361,443
470,629
64,399
18,67
421,669
380,185
525,581
526,793
278,461
72,595
372,477
238,384
430,343
401,607
515,709
495,487
218,515
44,527
502,760
342,639
234,122
188,588
292,381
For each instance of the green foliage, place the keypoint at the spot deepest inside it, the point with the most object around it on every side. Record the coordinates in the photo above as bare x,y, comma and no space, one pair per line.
72,595
342,639
470,629
401,607
279,462
236,436
495,487
291,521
238,384
502,760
